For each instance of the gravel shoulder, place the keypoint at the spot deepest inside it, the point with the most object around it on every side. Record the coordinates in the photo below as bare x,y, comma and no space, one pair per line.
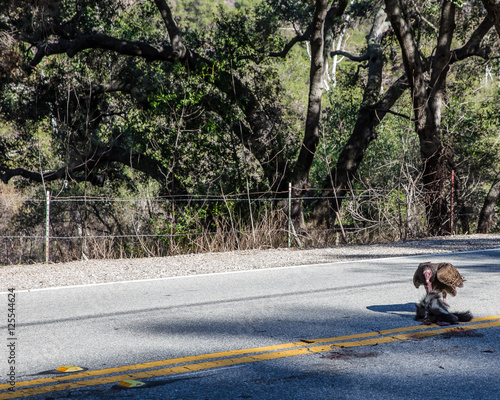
38,276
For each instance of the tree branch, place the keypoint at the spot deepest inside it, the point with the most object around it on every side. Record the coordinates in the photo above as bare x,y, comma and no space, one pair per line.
350,56
297,39
390,97
99,41
83,170
179,50
493,8
335,11
473,46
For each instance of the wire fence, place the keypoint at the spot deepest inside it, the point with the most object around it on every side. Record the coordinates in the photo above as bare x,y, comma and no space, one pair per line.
61,229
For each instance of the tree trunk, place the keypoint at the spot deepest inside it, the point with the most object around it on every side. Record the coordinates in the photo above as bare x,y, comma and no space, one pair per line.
493,8
311,135
485,222
371,113
337,185
427,103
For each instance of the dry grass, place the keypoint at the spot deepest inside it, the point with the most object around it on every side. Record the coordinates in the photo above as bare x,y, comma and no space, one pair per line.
143,228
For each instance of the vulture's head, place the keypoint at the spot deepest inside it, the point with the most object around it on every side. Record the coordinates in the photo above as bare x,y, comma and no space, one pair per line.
428,275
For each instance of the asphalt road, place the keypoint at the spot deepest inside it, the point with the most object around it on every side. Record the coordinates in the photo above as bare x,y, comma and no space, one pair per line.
330,331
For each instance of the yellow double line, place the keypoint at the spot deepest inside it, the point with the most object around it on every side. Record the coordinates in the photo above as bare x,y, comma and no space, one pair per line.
229,358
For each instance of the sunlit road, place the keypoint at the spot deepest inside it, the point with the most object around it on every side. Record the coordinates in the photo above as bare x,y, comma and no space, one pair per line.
342,330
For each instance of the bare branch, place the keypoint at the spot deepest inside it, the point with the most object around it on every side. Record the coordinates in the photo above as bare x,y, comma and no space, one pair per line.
297,39
335,11
390,97
350,56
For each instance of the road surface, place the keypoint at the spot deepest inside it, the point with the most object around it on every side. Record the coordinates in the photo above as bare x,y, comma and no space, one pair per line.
339,331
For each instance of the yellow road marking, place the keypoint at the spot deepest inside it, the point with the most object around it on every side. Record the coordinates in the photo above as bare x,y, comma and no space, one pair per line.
230,353
416,335
268,353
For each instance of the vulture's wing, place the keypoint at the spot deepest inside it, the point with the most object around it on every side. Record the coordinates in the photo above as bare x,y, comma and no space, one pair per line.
448,275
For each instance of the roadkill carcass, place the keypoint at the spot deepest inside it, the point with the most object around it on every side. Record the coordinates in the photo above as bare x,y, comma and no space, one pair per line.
433,310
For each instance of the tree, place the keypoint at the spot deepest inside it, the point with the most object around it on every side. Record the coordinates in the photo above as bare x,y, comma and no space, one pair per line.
124,84
372,110
300,175
488,209
428,97
220,64
70,29
485,222
493,8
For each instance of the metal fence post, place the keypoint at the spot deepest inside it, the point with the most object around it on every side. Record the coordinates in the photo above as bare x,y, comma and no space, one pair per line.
289,213
452,200
47,228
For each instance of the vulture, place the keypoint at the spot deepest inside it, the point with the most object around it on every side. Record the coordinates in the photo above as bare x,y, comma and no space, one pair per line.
433,310
439,277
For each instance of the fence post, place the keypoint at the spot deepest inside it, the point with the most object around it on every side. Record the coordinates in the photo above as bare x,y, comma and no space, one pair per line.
452,199
47,229
289,212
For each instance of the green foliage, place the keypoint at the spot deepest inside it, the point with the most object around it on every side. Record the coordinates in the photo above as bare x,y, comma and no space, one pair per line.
185,223
129,23
248,33
471,128
339,118
293,13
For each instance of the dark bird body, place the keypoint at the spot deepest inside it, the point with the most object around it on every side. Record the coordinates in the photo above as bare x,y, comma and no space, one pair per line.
438,277
433,309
